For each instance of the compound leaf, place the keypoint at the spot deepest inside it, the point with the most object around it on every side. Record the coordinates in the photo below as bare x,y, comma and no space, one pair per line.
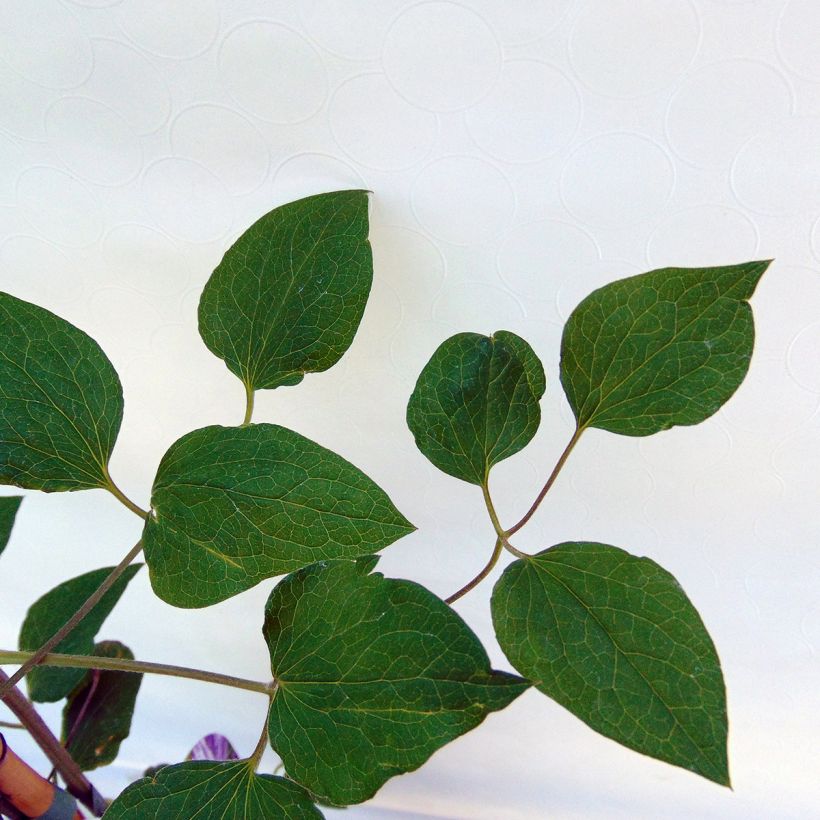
615,640
229,791
476,403
97,715
374,675
51,611
288,296
8,511
667,347
60,402
235,505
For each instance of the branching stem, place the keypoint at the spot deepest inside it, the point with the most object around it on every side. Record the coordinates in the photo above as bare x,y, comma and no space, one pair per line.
497,550
33,658
499,530
126,665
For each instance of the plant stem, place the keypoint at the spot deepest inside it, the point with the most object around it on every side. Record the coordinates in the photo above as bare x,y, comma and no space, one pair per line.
481,575
122,497
125,665
249,395
76,782
72,622
550,481
5,724
499,530
256,757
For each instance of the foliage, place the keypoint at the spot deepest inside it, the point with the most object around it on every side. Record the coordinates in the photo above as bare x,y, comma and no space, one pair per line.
371,674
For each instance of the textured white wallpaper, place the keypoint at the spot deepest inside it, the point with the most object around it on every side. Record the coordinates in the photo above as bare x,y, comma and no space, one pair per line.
520,154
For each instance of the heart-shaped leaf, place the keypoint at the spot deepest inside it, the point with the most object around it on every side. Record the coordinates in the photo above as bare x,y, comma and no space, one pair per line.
615,640
476,403
49,613
288,296
97,715
201,789
60,402
667,347
8,511
374,675
232,506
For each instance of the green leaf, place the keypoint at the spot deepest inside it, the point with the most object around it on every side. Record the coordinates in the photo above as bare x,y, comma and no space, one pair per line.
50,612
667,347
288,296
60,402
374,676
235,505
476,403
615,640
97,715
8,511
201,789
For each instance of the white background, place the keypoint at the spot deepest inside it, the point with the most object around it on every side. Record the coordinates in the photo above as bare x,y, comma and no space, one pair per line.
520,154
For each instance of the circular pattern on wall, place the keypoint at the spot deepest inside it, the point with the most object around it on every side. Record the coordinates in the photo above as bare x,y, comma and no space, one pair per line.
145,259
536,256
354,31
39,272
456,47
59,206
127,82
463,200
517,22
225,142
796,37
306,173
93,141
532,112
182,29
776,172
378,128
630,48
616,180
48,47
273,72
716,109
702,235
186,200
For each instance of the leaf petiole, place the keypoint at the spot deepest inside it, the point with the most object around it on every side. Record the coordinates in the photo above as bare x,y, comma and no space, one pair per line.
249,396
481,575
125,665
121,496
550,481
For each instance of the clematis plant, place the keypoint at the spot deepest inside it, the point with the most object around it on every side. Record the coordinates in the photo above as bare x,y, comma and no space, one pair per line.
370,675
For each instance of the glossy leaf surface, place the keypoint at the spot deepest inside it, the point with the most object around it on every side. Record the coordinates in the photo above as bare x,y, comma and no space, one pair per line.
235,505
60,402
201,789
51,611
615,640
8,511
664,348
476,403
288,296
374,676
97,715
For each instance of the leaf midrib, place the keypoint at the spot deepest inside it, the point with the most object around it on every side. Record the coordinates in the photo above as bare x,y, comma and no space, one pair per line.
627,658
